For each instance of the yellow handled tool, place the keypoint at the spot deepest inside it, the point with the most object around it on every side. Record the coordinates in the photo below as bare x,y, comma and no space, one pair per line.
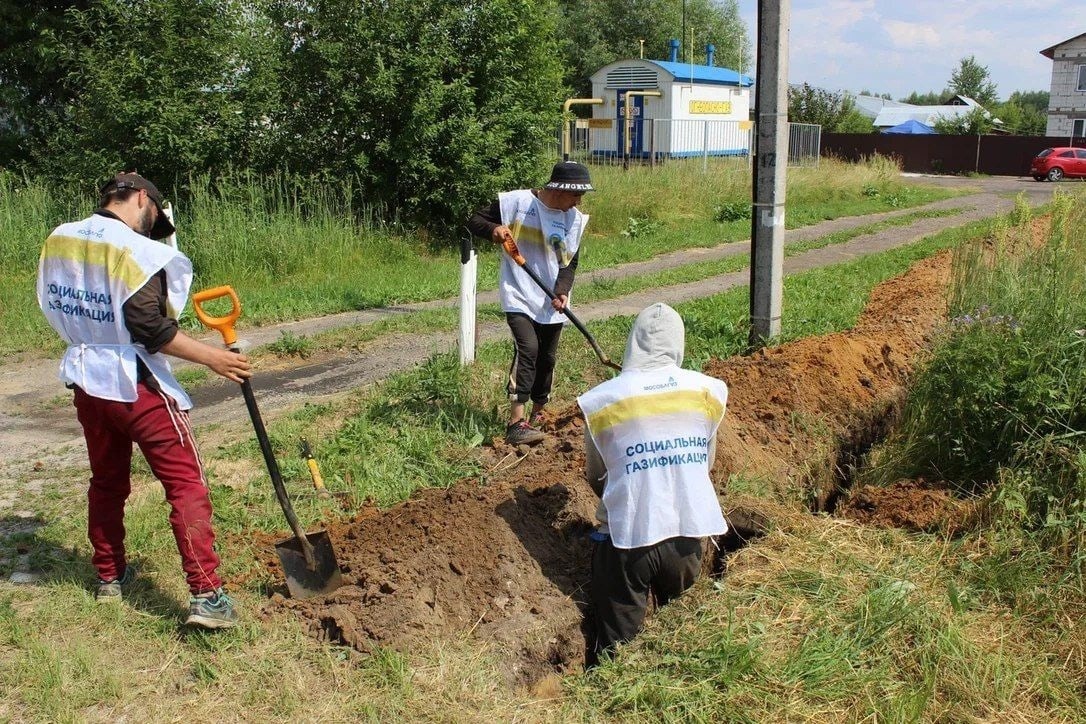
314,471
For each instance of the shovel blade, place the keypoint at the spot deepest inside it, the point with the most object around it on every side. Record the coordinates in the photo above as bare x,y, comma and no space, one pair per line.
302,581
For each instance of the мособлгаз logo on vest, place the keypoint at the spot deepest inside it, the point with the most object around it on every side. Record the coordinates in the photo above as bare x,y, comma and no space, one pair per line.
662,386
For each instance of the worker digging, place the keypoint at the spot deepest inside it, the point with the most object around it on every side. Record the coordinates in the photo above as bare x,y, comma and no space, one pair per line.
113,293
539,230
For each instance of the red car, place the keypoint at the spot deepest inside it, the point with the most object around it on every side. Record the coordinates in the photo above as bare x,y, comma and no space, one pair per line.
1056,163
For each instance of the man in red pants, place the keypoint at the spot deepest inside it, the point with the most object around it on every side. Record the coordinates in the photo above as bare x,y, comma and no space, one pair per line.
113,293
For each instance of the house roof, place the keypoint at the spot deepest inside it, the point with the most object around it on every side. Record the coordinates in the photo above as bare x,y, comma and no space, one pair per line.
870,106
708,74
1050,52
924,114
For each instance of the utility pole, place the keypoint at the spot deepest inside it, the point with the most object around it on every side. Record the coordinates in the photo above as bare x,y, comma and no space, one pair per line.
770,167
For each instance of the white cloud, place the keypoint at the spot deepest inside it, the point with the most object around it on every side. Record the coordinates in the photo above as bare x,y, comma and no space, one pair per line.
912,35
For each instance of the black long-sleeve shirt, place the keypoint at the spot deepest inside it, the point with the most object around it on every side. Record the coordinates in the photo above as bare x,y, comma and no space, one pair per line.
487,218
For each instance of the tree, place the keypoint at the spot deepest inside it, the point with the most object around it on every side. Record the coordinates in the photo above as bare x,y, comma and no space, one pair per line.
431,106
31,74
593,34
167,87
975,123
931,98
832,111
1037,100
1023,120
973,80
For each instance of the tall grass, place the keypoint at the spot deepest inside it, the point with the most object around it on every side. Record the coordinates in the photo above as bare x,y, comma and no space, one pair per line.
295,248
1002,398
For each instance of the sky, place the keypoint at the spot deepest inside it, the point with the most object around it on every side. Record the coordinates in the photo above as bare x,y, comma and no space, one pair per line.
896,47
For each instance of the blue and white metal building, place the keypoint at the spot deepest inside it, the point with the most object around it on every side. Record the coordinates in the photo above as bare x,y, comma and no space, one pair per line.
703,110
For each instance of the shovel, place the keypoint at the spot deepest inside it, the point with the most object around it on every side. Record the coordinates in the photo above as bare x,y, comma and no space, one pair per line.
308,560
519,260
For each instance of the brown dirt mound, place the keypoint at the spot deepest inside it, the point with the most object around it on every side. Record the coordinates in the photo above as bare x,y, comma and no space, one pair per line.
783,401
507,560
910,504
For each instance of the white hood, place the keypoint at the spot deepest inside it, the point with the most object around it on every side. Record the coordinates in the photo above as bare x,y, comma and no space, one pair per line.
657,339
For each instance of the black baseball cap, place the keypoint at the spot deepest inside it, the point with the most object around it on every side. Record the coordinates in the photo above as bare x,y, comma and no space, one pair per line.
162,228
569,176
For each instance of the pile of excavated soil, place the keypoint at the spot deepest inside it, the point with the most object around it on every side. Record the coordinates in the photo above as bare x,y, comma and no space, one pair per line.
915,505
507,560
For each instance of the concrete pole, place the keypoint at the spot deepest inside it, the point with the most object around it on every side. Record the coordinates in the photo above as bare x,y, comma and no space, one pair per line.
770,167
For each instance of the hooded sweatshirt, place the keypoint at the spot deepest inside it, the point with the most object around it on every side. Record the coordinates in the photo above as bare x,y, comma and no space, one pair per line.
650,438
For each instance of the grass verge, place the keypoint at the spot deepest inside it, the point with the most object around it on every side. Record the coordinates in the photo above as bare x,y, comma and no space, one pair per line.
293,252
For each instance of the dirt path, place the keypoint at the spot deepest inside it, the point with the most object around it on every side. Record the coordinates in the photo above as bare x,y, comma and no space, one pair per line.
37,427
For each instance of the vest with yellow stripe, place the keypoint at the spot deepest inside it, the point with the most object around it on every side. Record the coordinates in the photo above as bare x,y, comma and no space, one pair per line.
547,240
652,429
87,271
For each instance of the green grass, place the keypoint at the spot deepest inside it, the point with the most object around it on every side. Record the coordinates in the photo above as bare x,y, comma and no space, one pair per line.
1000,403
825,621
587,292
299,250
414,429
821,620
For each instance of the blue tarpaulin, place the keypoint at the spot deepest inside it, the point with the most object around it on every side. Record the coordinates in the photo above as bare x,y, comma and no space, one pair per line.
910,126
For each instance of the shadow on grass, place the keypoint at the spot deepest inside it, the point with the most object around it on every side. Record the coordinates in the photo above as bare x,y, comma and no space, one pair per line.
30,559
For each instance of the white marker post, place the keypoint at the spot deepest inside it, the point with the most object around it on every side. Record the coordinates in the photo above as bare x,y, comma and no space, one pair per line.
469,272
167,208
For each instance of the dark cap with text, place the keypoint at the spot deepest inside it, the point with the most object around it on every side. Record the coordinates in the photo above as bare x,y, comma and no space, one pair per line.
570,176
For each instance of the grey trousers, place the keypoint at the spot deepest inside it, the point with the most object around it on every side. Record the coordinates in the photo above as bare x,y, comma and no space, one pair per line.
623,578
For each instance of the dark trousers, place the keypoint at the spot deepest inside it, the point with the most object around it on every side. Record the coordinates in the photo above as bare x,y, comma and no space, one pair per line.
622,579
535,351
161,429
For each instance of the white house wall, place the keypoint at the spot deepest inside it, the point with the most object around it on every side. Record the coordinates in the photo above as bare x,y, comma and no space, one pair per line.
679,114
1066,103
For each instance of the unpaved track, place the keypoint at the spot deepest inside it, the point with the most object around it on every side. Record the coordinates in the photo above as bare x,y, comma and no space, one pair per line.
37,425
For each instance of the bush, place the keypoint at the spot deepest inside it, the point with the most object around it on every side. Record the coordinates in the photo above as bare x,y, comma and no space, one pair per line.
732,211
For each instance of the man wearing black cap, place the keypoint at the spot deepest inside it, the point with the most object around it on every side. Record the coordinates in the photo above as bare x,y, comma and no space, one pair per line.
544,227
113,293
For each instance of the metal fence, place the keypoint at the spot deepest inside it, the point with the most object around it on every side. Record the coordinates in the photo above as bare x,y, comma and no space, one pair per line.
656,140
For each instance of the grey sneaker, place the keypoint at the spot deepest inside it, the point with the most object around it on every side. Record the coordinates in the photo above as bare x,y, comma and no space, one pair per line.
211,610
521,433
113,591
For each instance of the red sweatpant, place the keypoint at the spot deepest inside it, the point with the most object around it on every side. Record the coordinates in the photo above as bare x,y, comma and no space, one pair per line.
161,429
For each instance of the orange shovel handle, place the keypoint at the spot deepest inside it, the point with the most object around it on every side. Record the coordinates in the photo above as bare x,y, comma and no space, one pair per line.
224,325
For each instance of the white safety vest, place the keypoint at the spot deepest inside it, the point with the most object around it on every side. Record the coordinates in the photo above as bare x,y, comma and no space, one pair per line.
87,271
652,429
547,240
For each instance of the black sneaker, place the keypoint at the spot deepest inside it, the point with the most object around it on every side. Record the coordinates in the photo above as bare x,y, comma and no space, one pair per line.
211,610
113,591
521,433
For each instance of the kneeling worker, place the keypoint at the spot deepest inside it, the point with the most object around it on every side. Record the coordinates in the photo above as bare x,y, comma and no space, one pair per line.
649,445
